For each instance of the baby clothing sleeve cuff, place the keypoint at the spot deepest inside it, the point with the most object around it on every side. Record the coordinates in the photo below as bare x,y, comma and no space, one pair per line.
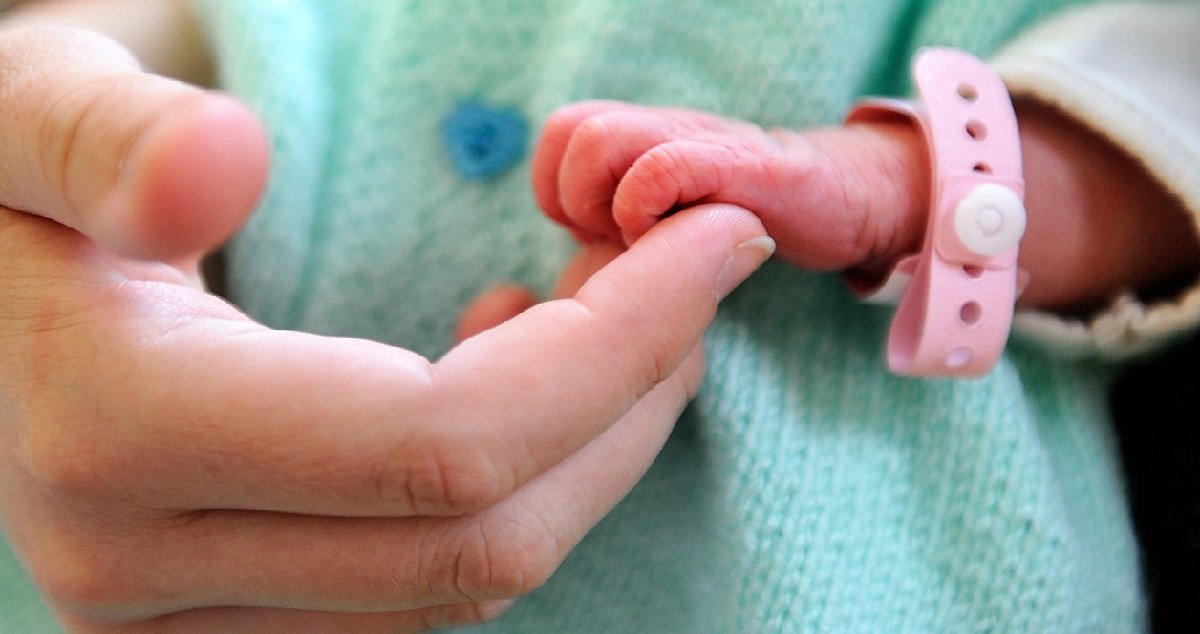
1131,73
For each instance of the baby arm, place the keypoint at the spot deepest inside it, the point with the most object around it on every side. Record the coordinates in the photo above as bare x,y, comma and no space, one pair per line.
856,196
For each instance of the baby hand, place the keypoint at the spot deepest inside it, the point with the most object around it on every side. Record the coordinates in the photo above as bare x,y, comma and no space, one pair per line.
832,198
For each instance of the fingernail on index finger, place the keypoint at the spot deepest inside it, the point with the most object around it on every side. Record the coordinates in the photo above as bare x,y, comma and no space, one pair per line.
746,258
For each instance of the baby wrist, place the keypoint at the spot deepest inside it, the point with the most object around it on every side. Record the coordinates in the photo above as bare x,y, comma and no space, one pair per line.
957,295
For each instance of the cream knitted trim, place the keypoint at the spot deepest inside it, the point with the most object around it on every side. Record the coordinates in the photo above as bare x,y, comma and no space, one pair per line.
1132,73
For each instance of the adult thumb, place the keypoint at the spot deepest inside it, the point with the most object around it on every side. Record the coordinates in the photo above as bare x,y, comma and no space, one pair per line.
146,166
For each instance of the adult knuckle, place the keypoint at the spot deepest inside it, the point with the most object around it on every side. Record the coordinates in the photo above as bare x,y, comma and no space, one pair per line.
646,360
452,476
655,362
658,366
63,133
504,560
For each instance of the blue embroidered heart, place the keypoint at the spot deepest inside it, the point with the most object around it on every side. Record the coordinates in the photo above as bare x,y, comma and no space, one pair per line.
484,141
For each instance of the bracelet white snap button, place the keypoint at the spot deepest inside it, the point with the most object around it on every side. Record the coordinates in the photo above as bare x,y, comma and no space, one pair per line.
990,220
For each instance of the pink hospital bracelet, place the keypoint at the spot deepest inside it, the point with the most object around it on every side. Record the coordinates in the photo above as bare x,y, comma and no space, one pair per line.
956,297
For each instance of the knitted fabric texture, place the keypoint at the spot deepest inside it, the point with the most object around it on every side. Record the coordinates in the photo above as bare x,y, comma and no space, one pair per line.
806,489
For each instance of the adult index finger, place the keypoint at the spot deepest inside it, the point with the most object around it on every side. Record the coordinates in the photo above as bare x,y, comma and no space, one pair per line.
520,398
195,412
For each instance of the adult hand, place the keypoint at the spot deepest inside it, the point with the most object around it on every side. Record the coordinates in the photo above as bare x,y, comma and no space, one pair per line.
166,464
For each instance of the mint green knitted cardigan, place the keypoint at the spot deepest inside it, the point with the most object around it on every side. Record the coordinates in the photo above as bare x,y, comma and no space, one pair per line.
805,489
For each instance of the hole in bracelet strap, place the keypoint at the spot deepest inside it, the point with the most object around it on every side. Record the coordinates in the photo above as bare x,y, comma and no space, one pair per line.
959,357
970,313
976,130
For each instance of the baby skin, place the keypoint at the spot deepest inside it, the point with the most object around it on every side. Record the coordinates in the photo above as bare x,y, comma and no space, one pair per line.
856,197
